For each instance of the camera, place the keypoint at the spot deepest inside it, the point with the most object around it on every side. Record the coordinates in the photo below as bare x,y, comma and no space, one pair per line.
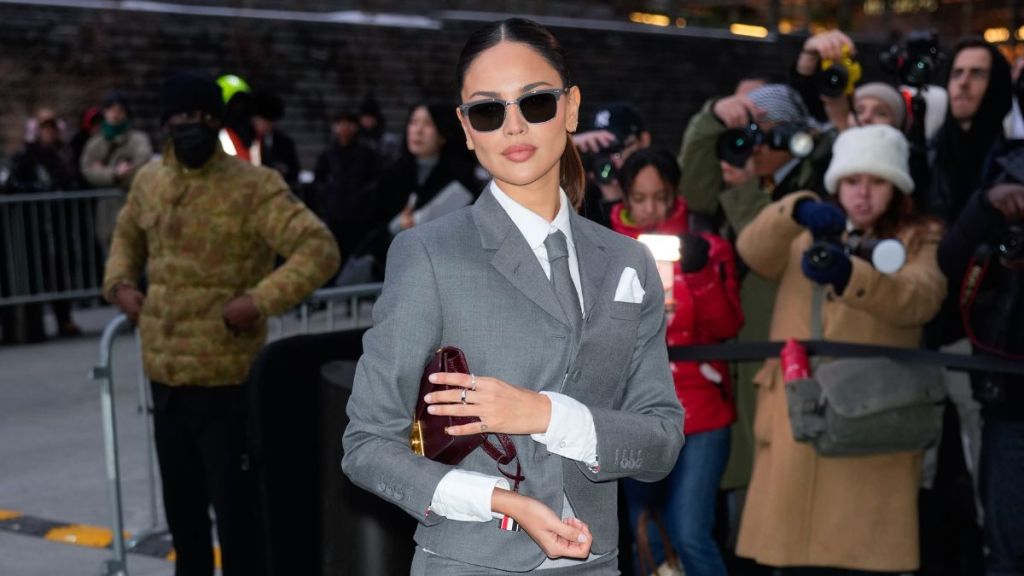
840,77
885,254
601,163
916,60
736,145
1011,242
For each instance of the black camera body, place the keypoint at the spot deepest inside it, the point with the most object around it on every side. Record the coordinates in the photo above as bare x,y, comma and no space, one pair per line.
1011,242
885,254
601,165
916,61
736,145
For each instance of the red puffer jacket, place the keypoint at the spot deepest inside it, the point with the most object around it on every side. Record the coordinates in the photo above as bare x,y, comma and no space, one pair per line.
707,311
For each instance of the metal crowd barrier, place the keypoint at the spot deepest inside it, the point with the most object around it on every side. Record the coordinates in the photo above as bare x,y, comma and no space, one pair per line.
53,244
321,309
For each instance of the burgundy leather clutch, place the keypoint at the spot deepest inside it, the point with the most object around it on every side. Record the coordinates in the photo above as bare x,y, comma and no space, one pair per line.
428,437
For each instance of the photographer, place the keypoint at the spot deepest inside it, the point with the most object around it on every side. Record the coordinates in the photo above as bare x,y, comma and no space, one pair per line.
838,514
982,255
871,103
770,170
979,99
618,131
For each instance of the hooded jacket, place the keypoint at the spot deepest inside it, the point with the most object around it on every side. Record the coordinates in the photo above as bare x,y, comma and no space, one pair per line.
707,311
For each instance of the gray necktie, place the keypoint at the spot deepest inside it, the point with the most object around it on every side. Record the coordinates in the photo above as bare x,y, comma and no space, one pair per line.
561,280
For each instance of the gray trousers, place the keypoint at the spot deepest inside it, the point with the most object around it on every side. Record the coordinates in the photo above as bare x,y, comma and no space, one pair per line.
426,564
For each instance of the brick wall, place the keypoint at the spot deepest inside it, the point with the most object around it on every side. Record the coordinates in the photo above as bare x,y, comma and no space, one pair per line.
69,58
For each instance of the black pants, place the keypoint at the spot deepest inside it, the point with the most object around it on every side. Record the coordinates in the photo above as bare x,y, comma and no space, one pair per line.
200,444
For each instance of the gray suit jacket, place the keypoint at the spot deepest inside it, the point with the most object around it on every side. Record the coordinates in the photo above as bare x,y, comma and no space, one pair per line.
470,279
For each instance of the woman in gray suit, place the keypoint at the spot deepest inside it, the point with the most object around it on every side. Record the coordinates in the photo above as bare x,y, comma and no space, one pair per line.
562,320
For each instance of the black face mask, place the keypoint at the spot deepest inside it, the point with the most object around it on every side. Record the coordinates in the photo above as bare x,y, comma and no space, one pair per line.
194,143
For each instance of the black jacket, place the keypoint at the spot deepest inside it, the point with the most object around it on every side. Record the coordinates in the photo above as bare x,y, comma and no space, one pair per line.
996,314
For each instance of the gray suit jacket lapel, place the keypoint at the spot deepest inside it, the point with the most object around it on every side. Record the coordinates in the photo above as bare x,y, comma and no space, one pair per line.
513,257
593,260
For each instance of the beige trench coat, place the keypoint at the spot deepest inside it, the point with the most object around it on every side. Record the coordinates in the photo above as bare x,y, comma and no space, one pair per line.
802,509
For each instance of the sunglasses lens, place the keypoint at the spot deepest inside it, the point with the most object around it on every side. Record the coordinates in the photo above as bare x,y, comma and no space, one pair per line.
487,116
538,108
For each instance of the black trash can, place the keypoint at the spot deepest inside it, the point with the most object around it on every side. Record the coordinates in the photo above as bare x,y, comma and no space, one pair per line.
362,534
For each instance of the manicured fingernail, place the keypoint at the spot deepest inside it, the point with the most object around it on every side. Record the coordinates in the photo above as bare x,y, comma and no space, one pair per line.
582,538
431,409
448,431
433,378
426,398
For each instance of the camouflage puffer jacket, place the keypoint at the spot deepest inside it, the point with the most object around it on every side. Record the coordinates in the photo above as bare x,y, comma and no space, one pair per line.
205,236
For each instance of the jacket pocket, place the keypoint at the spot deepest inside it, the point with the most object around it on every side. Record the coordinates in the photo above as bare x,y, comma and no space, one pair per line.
625,310
764,412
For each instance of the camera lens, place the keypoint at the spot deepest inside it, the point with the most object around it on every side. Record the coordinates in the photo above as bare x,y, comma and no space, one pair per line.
736,145
604,169
832,81
1011,245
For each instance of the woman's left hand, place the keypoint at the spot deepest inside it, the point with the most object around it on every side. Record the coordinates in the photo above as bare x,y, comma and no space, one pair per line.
501,407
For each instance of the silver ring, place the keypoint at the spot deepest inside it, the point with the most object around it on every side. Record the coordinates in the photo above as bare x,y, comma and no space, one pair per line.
472,382
464,395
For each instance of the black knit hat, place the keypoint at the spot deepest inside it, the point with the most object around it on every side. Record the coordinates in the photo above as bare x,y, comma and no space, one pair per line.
188,92
116,98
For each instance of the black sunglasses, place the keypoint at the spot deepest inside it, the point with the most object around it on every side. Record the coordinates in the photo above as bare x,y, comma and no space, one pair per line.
537,107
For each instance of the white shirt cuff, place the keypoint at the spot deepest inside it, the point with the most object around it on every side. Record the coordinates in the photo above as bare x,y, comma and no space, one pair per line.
465,495
571,431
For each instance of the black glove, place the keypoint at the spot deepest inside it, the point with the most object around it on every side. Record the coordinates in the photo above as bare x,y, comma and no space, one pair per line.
821,218
696,251
827,263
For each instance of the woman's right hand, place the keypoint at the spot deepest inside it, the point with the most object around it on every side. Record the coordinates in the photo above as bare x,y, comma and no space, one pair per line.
557,538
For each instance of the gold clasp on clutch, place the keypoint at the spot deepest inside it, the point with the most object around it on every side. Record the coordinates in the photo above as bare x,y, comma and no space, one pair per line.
416,438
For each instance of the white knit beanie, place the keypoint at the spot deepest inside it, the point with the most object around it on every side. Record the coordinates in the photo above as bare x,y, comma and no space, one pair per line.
879,150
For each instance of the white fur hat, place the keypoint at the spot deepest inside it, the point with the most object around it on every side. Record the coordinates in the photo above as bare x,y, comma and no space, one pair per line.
880,150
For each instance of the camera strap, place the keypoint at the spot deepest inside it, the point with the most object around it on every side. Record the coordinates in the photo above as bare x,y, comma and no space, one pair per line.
969,289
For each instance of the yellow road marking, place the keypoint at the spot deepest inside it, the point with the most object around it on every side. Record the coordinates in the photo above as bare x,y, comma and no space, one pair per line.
82,535
216,556
9,515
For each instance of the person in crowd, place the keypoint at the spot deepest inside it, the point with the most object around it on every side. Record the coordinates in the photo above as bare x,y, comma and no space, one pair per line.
111,159
617,131
577,374
435,175
854,514
43,165
711,187
705,310
88,126
238,134
958,155
979,98
275,147
344,180
373,132
872,102
206,227
710,184
990,280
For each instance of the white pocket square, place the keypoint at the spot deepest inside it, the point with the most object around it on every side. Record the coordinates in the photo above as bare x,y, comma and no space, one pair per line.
629,288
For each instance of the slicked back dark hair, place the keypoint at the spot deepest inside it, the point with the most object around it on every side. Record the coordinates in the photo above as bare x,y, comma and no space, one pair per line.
521,31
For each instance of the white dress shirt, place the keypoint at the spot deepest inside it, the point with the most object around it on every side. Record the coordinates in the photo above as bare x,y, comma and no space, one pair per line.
465,495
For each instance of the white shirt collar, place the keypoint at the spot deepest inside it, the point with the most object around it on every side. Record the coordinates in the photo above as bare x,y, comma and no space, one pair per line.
533,226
